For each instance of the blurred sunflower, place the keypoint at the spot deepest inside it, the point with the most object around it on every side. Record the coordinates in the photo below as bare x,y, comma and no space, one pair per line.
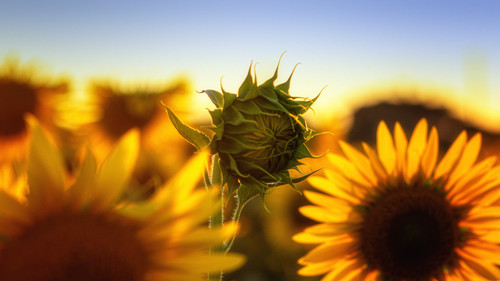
77,228
23,91
395,214
114,109
117,109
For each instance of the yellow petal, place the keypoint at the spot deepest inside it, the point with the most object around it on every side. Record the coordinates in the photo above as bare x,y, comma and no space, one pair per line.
451,157
430,154
480,212
314,269
326,201
374,161
467,159
11,209
483,189
80,193
483,250
401,145
348,170
416,147
343,269
385,148
492,236
332,188
116,170
480,267
476,175
330,251
183,183
207,263
308,238
334,230
360,161
321,214
46,172
203,236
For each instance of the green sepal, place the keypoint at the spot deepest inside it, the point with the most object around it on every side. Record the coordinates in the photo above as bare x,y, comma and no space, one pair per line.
293,163
303,152
217,175
291,181
270,82
271,96
196,138
309,134
248,83
232,185
228,99
252,108
233,166
301,178
285,87
237,146
247,164
216,97
250,188
235,130
216,115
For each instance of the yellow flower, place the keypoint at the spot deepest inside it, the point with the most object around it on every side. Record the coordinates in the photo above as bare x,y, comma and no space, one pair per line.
398,214
114,109
22,92
77,228
117,109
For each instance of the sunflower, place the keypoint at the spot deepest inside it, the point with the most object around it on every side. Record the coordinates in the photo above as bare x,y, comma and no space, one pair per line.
23,92
118,108
398,214
260,134
113,109
78,228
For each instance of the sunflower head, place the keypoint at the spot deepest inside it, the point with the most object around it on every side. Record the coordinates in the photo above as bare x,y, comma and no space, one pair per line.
23,91
121,108
397,213
259,134
79,226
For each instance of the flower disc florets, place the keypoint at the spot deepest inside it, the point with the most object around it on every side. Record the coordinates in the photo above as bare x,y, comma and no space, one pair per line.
259,134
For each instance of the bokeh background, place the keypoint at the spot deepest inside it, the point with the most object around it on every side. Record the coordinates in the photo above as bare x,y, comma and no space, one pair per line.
379,60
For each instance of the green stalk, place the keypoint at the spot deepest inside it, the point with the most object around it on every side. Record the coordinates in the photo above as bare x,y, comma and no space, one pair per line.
236,219
217,219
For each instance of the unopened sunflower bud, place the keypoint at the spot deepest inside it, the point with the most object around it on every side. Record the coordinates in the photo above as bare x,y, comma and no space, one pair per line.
259,135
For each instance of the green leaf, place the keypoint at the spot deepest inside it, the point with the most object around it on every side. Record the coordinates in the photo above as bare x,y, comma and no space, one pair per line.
195,137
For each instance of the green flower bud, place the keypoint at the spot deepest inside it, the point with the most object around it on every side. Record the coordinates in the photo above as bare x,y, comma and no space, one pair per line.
259,134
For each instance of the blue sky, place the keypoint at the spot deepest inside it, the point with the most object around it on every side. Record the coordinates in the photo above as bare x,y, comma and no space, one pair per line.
348,45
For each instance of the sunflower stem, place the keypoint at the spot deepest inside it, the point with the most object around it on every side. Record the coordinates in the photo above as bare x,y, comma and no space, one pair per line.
236,219
217,219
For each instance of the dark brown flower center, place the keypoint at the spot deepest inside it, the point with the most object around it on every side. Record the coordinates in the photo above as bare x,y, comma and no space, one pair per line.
410,233
122,113
75,248
16,99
